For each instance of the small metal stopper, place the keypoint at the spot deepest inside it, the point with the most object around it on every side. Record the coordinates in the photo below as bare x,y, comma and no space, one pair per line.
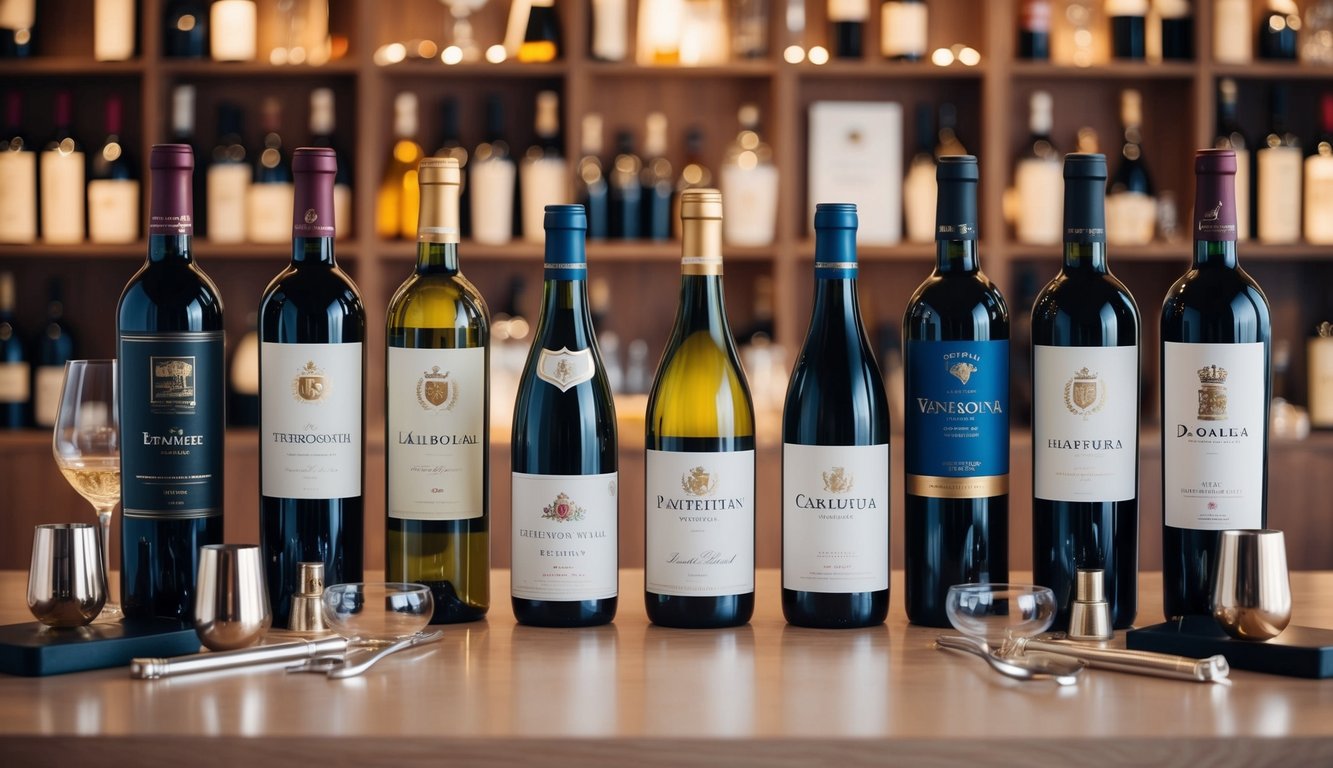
307,614
1090,616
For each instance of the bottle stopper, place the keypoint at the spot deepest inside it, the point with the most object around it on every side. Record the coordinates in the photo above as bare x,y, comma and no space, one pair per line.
307,614
1090,616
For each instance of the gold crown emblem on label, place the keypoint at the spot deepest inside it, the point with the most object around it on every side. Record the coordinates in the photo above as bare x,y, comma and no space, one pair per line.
838,481
1085,393
698,482
1083,374
310,384
435,391
1212,375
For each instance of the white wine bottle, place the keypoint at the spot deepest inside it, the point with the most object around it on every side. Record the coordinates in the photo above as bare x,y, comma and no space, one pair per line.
699,532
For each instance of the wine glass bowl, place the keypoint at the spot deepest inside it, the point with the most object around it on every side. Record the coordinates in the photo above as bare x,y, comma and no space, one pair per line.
999,613
377,613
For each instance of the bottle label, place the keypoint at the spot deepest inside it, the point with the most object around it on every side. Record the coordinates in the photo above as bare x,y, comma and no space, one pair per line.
1085,419
1131,218
1035,16
835,517
752,204
1214,417
700,523
436,433
171,423
14,382
492,200
1318,198
46,394
227,183
311,414
545,182
958,419
268,212
565,369
113,211
1279,194
1041,199
1319,362
62,193
18,197
903,29
848,10
565,536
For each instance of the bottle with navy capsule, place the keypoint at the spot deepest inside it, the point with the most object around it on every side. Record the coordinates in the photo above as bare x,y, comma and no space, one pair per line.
564,453
835,451
956,427
1085,411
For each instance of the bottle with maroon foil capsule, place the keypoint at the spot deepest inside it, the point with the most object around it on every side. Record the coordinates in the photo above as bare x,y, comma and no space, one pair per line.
170,343
1216,358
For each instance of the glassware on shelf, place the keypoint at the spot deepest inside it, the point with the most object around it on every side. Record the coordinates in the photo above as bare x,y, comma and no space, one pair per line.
1317,47
466,46
749,29
303,33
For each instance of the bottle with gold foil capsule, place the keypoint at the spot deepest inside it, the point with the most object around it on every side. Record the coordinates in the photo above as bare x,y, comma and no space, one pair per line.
700,481
437,398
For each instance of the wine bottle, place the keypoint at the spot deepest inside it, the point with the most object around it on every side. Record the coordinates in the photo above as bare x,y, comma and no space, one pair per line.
695,174
657,179
1319,365
270,195
171,347
451,145
946,140
610,30
51,349
590,187
1215,389
835,451
626,195
1085,419
437,396
1034,30
1233,42
494,177
61,179
919,183
312,411
903,29
323,125
541,37
1279,161
113,191
847,20
185,30
565,478
228,180
1128,28
1230,136
16,28
544,175
397,201
15,370
1177,29
232,29
18,177
700,483
749,29
1278,30
749,180
956,368
183,132
1131,209
1037,177
1319,179
114,23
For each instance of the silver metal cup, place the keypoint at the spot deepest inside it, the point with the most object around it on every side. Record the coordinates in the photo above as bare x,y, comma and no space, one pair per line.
231,607
66,582
1252,591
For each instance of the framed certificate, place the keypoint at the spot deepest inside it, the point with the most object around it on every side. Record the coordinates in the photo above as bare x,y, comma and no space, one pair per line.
856,151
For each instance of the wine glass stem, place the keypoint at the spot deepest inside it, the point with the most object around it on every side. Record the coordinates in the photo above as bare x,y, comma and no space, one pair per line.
104,518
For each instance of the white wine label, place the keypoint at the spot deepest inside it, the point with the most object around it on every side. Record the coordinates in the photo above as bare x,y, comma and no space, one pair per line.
113,30
903,29
1231,32
493,201
14,382
1280,194
1041,190
268,215
1085,419
1214,416
310,415
46,394
113,210
1318,199
227,184
565,536
62,197
752,204
342,211
700,528
545,182
566,369
835,518
1131,218
437,433
1319,362
848,10
919,202
18,197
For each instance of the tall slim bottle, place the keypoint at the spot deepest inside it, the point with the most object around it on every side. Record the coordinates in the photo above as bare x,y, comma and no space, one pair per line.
835,451
565,479
437,394
1216,384
171,347
1085,413
956,435
312,404
699,533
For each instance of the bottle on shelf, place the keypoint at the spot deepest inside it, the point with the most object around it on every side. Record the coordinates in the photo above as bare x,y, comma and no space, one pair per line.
749,29
1215,390
436,384
1085,420
1177,29
1319,366
847,21
508,354
451,145
61,171
919,182
1230,136
185,29
749,179
835,451
397,201
946,140
16,28
695,174
657,179
323,125
1037,177
270,195
1279,163
312,404
565,478
956,358
1128,28
1131,209
172,388
700,448
114,23
232,26
1034,30
243,377
15,369
52,348
590,185
18,177
541,37
494,177
228,181
626,193
636,368
1319,179
904,25
610,30
544,175
599,302
113,190
1233,42
183,132
658,38
1278,29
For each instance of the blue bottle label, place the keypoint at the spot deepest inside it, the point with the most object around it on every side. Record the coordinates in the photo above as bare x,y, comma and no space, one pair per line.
957,419
171,422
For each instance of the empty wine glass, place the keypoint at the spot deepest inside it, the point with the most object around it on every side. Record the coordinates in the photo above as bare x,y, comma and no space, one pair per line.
86,444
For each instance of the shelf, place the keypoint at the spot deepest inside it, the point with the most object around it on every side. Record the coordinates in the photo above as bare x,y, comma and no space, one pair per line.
598,251
137,250
889,70
1114,70
206,68
1273,70
510,69
902,252
732,69
1180,252
72,65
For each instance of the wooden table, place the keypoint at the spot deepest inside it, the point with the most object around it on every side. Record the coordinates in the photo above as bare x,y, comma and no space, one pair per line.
630,693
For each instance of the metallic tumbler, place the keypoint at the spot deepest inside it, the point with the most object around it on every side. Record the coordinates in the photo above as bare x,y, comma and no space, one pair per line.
66,582
231,607
1251,590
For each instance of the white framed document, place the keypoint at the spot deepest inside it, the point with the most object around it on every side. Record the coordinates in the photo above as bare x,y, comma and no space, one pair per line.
856,156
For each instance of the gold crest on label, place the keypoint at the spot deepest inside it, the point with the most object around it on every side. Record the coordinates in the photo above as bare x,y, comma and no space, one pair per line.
1212,395
310,385
173,380
838,481
962,371
1085,393
435,392
698,482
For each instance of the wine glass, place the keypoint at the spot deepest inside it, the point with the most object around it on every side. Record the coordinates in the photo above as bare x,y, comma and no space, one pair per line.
461,11
87,445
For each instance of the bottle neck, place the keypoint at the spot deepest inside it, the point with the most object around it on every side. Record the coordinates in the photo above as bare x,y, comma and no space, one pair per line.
1085,257
170,248
956,256
1215,253
836,303
702,307
438,230
1214,221
437,258
565,316
1085,223
956,226
313,250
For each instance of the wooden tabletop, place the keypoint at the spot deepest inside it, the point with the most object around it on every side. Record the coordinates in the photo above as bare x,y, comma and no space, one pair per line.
630,693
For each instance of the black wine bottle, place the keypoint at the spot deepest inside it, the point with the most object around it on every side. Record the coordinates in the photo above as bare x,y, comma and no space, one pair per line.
1278,30
1034,30
53,347
956,435
1085,418
15,368
1128,28
185,29
626,194
847,21
590,187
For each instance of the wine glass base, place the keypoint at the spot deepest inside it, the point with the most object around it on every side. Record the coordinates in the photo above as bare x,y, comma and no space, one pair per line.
111,612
